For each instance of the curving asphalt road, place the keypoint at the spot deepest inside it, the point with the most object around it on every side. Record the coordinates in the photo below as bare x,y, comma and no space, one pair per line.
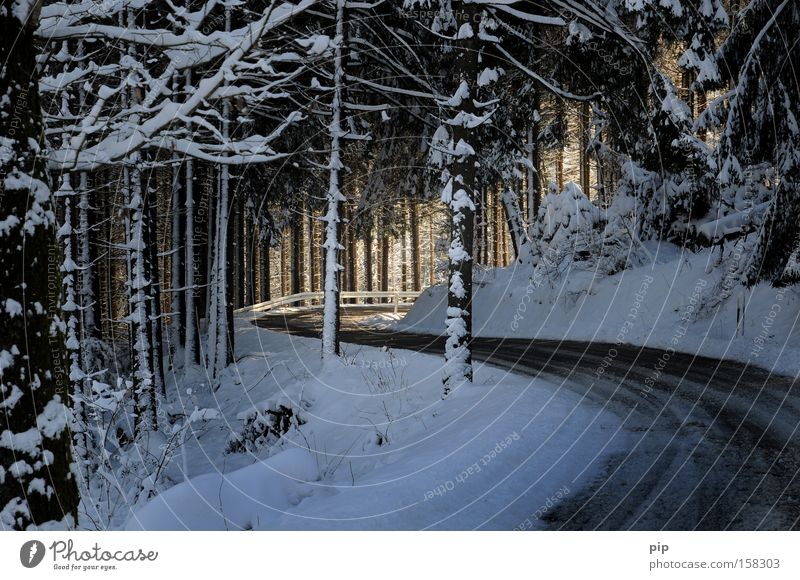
716,442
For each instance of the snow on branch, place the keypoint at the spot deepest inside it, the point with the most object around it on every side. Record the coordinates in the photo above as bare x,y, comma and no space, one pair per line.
734,224
119,143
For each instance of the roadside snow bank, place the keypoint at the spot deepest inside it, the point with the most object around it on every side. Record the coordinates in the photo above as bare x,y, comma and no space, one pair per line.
237,500
377,448
661,305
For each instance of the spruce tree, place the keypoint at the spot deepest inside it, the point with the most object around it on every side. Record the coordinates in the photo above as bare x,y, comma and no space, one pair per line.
37,486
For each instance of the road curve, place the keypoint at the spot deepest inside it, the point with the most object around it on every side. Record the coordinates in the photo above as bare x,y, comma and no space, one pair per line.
716,442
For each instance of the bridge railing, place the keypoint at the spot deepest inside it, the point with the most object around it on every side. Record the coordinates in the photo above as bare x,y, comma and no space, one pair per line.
307,297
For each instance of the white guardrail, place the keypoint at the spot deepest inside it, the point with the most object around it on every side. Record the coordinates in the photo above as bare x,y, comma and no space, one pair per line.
307,297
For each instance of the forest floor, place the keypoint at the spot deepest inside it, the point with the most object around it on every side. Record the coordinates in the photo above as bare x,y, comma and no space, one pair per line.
378,448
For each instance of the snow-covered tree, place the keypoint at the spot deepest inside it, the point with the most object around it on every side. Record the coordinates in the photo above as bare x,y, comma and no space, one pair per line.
37,483
758,156
334,198
453,148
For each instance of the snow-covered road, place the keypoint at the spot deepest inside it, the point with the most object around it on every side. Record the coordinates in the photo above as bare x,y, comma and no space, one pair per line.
708,444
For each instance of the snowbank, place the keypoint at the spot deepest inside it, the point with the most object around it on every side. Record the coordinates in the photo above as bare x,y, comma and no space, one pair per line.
237,500
378,448
659,305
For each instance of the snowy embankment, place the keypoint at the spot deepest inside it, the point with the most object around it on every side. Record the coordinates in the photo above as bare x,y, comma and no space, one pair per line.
377,447
667,303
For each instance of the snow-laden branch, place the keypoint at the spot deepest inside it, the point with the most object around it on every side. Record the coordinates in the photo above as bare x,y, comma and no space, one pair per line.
734,224
532,18
116,146
389,89
544,82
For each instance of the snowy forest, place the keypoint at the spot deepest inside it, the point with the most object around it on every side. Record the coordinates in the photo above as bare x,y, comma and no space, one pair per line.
199,197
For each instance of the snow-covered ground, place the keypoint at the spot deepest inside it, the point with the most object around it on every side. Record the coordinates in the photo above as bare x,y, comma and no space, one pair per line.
660,305
378,448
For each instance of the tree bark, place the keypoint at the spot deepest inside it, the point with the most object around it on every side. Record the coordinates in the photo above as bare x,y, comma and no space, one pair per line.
311,254
252,254
352,258
237,248
416,264
516,227
177,258
432,254
584,125
458,195
265,240
33,381
297,253
386,251
144,390
497,227
220,331
154,306
334,199
404,261
534,175
368,263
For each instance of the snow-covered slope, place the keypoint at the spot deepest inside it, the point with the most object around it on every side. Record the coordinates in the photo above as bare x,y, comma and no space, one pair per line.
379,449
662,304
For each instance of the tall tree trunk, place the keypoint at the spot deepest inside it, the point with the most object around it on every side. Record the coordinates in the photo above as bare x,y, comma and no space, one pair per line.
88,283
177,254
106,202
220,346
126,224
404,265
217,348
458,196
560,149
485,205
87,269
206,220
154,304
480,208
191,261
312,253
506,233
144,390
346,252
265,241
584,124
368,263
220,325
297,253
497,227
352,258
285,259
516,227
416,266
702,103
73,315
602,201
432,253
237,249
71,312
386,251
145,394
334,198
534,179
32,382
252,253
318,256
230,302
